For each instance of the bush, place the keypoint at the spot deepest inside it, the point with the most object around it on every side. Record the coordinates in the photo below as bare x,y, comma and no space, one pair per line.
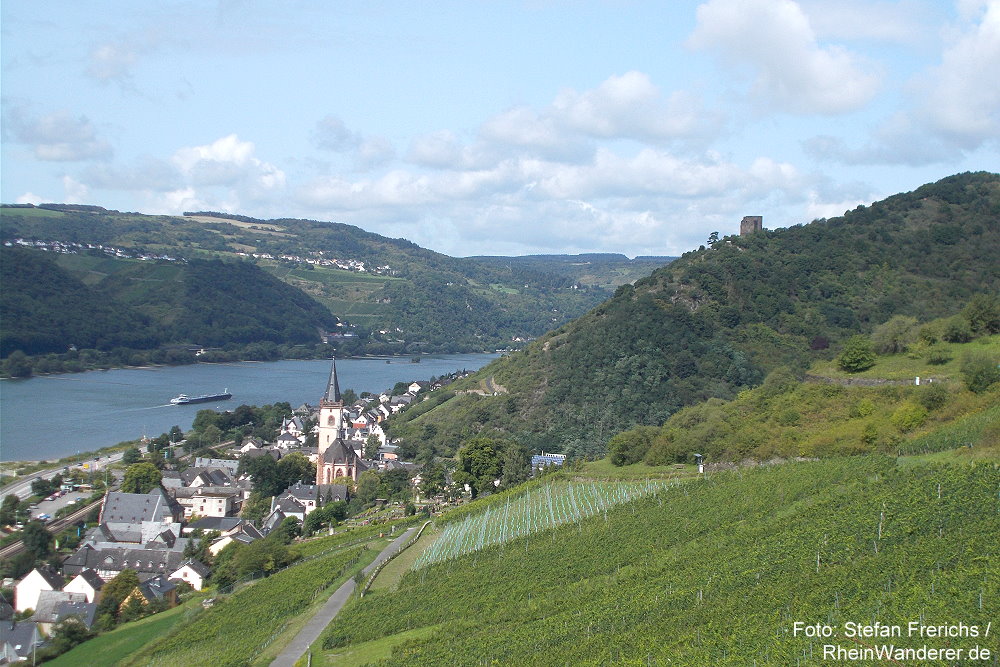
939,354
857,355
979,371
895,336
908,416
932,397
957,330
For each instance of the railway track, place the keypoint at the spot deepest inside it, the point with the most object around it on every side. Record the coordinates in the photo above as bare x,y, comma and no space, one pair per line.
54,527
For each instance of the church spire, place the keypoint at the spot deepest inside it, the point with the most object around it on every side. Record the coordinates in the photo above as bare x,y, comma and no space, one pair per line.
333,387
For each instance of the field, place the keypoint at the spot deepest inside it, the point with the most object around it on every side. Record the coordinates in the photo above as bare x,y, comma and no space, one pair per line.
907,367
710,572
242,627
109,648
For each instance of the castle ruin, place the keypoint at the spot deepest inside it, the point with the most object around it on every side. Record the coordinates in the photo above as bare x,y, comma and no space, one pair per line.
751,224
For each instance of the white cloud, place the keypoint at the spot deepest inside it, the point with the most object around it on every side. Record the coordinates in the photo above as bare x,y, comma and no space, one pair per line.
55,137
146,173
332,134
30,198
793,72
961,97
76,192
228,162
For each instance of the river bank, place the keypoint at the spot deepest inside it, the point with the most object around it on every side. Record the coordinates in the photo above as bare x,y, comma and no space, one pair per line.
58,416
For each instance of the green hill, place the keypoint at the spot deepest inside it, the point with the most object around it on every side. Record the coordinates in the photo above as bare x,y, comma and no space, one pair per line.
706,572
422,300
717,320
104,304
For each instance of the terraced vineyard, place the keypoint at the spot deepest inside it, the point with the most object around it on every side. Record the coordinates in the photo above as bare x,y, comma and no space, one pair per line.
539,508
712,572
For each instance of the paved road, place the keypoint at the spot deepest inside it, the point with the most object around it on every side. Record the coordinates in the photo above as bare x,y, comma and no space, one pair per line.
22,487
315,627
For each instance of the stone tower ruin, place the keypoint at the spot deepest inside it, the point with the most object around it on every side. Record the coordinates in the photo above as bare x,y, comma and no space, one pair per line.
751,224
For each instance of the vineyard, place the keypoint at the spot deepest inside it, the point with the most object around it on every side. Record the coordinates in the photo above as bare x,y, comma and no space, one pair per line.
237,629
541,507
710,572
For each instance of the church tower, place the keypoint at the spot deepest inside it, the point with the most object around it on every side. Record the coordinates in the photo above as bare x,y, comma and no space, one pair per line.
331,418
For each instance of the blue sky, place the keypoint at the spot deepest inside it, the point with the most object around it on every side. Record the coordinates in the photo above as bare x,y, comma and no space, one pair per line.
499,127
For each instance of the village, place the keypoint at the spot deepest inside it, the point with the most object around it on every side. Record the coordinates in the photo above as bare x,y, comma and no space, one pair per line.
160,543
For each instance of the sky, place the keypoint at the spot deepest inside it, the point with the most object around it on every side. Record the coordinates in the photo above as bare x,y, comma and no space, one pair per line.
498,128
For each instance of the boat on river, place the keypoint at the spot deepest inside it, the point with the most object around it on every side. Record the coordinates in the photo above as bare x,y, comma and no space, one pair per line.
184,399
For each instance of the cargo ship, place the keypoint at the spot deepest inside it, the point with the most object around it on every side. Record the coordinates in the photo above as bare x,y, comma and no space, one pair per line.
184,399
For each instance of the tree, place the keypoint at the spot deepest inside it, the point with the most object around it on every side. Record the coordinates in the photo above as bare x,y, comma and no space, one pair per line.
631,446
516,465
141,478
857,355
131,455
289,529
979,371
256,506
983,314
263,470
372,445
115,592
8,511
294,468
368,487
17,365
895,335
36,539
481,459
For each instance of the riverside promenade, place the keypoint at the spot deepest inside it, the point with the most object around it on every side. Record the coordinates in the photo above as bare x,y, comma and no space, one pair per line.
311,632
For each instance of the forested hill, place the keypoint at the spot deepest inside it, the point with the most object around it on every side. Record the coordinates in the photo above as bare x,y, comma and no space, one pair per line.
716,320
200,302
422,300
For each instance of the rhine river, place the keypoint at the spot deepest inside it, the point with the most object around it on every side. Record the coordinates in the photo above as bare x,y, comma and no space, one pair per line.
51,416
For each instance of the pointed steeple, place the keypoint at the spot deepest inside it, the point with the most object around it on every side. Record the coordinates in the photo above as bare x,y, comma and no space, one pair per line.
333,387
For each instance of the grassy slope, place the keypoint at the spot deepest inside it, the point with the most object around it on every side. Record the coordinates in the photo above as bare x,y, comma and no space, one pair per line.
710,572
111,647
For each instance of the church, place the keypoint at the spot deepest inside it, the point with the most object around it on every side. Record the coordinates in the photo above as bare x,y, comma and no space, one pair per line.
337,458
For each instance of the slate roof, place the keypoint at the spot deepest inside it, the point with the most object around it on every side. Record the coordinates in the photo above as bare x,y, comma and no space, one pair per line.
197,566
333,386
84,611
207,477
219,523
138,507
339,452
20,636
146,562
50,603
51,577
229,465
156,587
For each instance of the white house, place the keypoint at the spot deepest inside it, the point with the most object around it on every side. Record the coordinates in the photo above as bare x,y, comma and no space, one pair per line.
193,572
87,583
27,590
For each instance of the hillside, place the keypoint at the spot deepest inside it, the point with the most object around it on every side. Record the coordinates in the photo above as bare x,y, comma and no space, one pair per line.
107,304
420,299
718,319
607,270
705,572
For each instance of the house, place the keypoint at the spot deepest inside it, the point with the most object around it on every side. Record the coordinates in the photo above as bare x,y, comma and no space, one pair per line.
18,641
133,508
155,588
418,386
293,426
200,476
288,441
208,501
229,465
245,533
88,583
40,579
54,606
193,572
109,562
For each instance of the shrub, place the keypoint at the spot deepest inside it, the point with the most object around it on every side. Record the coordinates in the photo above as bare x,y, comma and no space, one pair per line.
932,397
908,416
979,371
857,355
895,335
957,330
939,354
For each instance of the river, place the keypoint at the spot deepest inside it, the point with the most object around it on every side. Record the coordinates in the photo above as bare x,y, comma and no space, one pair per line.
51,416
